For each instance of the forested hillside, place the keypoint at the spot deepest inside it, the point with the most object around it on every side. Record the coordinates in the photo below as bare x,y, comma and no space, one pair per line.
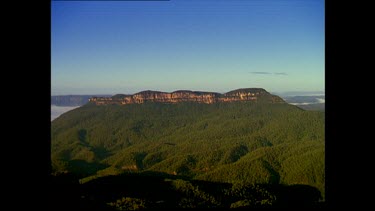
238,143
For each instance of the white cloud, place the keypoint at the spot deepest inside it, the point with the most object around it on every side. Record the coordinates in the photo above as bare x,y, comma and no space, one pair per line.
56,111
301,103
321,100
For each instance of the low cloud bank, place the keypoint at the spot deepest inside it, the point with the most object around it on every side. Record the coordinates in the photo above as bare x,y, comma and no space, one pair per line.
56,111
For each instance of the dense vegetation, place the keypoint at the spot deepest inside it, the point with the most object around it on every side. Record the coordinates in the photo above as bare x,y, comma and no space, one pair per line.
244,144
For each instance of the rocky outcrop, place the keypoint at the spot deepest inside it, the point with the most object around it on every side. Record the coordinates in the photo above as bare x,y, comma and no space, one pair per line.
249,94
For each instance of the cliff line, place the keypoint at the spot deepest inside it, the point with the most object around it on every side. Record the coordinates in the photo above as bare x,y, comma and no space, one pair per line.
248,94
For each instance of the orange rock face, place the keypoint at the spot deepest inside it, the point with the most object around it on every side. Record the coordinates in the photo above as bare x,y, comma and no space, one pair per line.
250,94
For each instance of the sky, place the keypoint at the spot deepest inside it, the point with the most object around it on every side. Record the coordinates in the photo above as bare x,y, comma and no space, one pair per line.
110,47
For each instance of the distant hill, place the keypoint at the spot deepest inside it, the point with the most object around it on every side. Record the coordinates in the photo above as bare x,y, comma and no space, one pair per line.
72,100
305,99
299,93
313,102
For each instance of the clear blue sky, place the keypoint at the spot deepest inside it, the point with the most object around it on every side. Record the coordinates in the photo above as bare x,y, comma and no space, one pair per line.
108,47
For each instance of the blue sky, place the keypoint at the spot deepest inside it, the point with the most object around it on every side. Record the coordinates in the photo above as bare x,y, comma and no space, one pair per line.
210,45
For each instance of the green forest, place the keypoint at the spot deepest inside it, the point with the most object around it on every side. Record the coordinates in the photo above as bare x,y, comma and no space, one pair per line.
222,155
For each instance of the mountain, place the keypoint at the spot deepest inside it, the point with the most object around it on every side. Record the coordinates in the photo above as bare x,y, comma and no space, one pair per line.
230,146
249,94
72,100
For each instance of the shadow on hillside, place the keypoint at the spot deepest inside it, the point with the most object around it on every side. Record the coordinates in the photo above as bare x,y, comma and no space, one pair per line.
295,196
83,168
68,194
158,190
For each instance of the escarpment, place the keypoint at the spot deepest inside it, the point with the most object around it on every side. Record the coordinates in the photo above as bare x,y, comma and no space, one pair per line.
248,94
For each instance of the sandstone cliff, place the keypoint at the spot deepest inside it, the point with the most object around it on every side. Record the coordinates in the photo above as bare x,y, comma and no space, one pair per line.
249,94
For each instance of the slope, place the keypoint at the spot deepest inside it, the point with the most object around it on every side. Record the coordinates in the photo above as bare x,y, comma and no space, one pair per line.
238,142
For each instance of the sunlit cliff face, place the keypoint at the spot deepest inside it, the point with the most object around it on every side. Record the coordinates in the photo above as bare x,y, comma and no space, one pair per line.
250,94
